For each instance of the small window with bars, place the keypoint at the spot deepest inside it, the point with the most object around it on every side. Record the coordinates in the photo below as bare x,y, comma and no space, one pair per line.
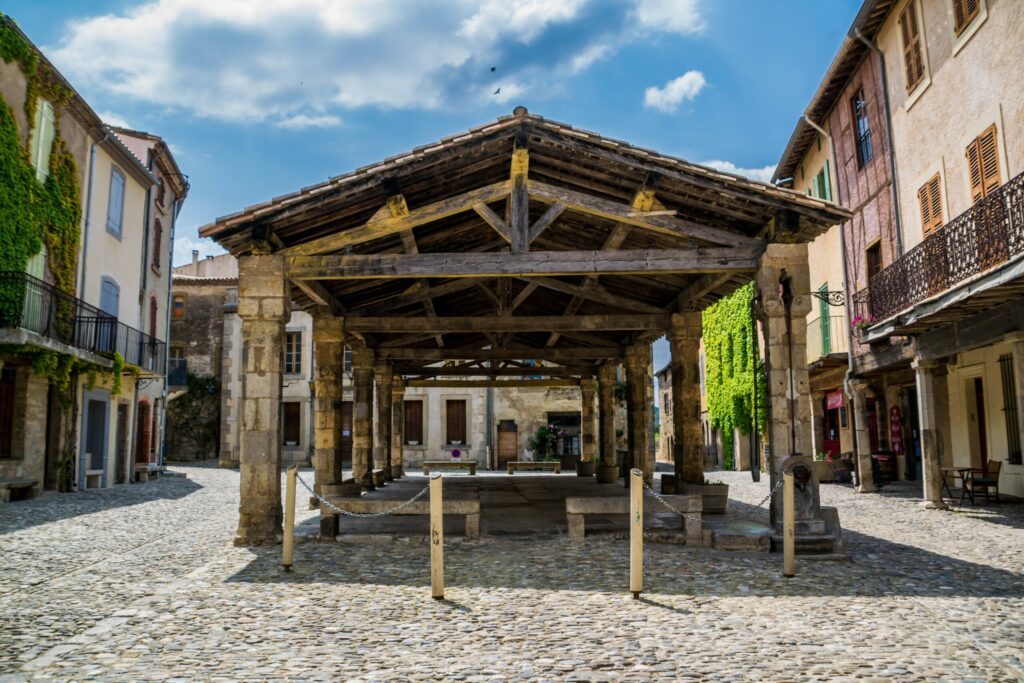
413,422
293,353
862,131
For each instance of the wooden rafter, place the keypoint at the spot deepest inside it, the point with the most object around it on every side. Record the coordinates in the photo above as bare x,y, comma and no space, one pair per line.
497,383
510,353
597,293
542,323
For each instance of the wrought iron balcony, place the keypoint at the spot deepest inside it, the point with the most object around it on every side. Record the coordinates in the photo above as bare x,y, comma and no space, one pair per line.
982,238
827,337
30,304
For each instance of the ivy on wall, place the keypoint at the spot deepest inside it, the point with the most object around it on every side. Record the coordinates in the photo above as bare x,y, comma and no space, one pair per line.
730,370
193,420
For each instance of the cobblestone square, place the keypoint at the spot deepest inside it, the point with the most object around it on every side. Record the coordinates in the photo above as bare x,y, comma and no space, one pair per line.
142,583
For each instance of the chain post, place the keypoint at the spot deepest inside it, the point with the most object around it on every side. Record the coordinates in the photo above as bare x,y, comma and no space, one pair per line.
788,527
436,537
288,542
636,532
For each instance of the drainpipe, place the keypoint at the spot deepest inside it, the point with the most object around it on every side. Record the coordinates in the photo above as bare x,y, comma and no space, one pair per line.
888,134
88,209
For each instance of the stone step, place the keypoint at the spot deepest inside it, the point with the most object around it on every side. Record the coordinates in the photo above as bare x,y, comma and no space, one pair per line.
808,545
737,535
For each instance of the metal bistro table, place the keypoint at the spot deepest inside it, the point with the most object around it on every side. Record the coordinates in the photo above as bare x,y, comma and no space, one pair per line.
964,473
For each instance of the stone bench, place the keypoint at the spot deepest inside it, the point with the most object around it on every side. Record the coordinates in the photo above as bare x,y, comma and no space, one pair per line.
17,489
143,473
448,465
527,465
470,507
577,508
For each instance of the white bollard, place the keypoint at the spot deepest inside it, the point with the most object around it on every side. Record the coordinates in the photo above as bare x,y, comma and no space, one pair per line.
636,532
788,530
288,543
436,538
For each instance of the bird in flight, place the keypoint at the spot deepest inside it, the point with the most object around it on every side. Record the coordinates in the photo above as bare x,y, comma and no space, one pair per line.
493,69
498,91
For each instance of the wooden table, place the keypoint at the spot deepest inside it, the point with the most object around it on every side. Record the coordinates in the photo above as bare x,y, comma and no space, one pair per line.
964,474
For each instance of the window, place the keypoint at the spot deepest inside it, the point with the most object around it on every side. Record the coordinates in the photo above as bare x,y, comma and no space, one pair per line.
456,422
43,133
964,12
1010,409
929,198
874,260
983,164
821,187
414,422
158,239
178,306
863,130
291,423
160,192
115,203
913,53
293,353
153,312
110,296
348,359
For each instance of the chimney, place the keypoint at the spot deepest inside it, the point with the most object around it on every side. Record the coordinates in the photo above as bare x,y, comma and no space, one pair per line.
195,257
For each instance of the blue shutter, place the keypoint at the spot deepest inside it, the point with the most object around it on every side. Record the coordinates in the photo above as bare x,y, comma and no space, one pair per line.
110,296
115,203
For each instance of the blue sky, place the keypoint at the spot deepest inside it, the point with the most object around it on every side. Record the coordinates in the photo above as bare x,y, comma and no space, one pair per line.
260,98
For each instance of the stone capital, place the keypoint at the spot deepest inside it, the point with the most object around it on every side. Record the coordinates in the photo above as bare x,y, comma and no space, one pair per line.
383,373
606,374
685,327
638,357
362,358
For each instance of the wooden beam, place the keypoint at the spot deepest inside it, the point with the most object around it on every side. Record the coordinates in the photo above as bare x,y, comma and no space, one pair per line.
496,383
689,299
494,220
510,353
497,264
598,294
415,296
523,296
520,198
319,294
542,223
540,323
495,372
624,213
396,204
384,226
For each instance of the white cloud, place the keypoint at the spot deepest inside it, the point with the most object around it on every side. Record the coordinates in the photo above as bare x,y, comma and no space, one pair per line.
112,119
302,121
183,247
763,174
672,94
675,16
298,63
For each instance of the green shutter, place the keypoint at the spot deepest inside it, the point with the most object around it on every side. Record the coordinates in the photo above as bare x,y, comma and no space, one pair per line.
42,139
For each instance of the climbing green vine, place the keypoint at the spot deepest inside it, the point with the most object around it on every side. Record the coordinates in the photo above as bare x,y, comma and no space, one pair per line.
730,372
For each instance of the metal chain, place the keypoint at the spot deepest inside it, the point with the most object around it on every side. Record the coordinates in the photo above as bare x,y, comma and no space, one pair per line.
764,500
664,502
335,508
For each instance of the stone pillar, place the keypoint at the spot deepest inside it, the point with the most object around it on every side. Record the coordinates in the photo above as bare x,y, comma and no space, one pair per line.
362,417
263,306
783,285
639,400
687,432
397,428
328,355
588,428
382,375
817,422
927,375
608,472
861,436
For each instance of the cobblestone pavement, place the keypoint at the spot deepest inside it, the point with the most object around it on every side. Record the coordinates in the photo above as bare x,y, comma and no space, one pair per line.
142,583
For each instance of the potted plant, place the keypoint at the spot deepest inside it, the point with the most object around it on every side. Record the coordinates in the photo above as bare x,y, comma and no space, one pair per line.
822,467
543,443
861,323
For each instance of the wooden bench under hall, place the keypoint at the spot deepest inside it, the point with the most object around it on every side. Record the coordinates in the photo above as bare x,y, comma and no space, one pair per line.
470,507
531,466
576,508
17,489
448,465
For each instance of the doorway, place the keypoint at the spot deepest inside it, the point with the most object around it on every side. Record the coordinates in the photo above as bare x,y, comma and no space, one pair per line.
122,443
977,433
346,434
913,446
94,441
567,448
508,443
830,442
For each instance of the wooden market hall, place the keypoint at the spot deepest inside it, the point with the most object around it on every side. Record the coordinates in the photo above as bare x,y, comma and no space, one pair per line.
522,239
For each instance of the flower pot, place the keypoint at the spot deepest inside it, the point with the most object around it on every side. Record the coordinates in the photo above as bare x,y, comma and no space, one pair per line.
585,469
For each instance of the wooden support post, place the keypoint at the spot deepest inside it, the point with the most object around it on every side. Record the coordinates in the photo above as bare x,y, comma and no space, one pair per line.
436,538
636,532
397,428
288,542
383,376
788,526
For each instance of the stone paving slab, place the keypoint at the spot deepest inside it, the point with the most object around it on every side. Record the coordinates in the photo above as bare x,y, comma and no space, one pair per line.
142,583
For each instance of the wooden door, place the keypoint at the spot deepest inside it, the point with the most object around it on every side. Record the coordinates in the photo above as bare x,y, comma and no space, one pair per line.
831,428
508,443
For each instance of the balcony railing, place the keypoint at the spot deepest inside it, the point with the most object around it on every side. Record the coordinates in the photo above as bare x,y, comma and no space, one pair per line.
30,304
982,238
826,336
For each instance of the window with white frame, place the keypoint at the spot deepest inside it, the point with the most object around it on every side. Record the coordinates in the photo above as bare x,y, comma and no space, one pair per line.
293,353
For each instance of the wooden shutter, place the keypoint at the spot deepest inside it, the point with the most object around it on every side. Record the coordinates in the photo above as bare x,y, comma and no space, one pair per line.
456,421
913,55
158,236
414,421
964,12
929,197
983,164
115,202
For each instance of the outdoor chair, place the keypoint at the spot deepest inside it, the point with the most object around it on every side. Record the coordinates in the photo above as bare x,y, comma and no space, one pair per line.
985,480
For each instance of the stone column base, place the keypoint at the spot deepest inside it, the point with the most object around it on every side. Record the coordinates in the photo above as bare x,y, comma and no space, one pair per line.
607,474
253,530
585,469
934,505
